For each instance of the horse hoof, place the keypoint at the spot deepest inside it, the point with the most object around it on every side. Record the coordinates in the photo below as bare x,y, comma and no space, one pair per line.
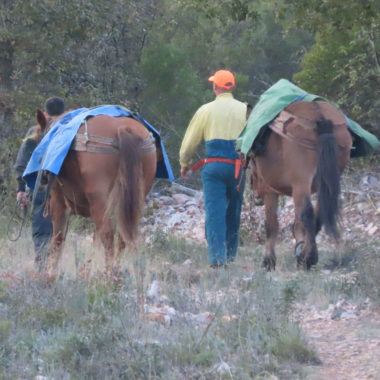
299,248
269,264
312,260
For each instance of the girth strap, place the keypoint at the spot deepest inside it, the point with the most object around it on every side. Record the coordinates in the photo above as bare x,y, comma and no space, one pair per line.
85,143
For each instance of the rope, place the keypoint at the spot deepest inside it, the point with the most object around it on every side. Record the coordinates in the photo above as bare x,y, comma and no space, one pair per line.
15,215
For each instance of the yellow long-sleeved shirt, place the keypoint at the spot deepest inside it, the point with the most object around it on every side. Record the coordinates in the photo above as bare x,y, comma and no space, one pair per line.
222,119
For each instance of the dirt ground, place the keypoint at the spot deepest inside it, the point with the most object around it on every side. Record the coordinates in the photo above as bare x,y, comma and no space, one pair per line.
348,347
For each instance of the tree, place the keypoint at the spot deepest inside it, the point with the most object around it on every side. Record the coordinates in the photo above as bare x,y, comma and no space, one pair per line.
343,65
86,52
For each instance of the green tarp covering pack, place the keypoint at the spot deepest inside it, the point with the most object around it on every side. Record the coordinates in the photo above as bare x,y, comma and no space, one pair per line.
279,96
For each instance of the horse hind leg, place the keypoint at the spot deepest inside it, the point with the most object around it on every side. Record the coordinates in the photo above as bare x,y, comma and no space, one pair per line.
104,229
59,217
271,229
304,231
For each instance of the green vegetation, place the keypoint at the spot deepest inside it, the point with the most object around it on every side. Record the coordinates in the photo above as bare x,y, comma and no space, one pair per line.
222,323
155,58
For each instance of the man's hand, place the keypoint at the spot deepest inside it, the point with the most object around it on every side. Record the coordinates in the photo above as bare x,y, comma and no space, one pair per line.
22,198
184,172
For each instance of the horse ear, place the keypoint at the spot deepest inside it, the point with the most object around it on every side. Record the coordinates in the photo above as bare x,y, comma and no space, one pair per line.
249,109
41,120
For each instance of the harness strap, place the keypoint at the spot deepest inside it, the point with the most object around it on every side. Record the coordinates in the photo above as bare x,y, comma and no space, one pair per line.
88,143
279,125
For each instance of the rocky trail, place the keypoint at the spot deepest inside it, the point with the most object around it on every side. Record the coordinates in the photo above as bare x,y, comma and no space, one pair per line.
179,210
346,335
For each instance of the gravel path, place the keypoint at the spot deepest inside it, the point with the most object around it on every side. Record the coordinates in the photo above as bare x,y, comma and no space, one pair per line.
348,345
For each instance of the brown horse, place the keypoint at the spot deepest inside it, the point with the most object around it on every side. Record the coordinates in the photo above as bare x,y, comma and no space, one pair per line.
306,149
108,171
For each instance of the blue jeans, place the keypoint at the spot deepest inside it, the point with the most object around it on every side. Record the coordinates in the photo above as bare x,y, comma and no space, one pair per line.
223,207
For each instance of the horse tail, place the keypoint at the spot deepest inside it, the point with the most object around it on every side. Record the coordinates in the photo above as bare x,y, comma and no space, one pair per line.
328,178
126,197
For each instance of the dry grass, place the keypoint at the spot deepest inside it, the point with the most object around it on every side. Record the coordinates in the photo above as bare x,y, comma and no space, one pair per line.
199,324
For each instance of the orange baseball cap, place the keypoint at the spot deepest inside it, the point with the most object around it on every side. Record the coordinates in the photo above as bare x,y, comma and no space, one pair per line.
224,79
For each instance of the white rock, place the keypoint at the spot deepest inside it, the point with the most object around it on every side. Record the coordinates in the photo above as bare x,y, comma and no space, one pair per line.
164,199
152,292
348,315
223,368
372,230
181,198
192,210
175,219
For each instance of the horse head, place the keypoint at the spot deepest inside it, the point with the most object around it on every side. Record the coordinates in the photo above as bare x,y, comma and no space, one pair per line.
42,125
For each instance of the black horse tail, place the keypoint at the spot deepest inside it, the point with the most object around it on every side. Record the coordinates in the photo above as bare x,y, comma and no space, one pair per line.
328,178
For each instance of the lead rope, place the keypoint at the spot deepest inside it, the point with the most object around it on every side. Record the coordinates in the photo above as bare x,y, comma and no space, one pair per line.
15,215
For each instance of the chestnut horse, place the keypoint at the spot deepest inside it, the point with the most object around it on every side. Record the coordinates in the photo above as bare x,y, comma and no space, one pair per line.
107,173
306,149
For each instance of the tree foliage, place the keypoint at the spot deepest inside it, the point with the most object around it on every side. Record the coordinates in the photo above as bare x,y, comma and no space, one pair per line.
155,56
79,49
344,63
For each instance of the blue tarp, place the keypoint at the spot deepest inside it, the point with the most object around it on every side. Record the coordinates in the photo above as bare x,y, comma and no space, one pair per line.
53,148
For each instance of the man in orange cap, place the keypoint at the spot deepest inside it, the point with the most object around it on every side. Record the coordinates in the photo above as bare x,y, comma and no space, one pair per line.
218,123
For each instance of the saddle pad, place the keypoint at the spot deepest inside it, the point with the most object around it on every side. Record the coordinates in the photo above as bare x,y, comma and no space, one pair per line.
53,148
281,95
308,113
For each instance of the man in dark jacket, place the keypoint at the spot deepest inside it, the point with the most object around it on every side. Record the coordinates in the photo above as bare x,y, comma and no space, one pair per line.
41,226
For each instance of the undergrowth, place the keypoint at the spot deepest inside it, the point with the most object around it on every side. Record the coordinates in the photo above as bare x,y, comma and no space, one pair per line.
234,323
75,329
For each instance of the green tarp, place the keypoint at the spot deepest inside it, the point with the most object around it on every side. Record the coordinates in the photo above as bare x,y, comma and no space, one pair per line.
280,95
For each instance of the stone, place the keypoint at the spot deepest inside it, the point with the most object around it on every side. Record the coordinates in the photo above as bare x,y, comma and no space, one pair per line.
372,230
180,198
164,199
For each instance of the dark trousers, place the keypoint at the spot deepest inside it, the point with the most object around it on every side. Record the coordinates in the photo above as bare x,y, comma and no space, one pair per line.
42,230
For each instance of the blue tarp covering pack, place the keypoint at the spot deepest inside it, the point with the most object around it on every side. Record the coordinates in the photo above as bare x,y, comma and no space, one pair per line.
279,96
53,148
